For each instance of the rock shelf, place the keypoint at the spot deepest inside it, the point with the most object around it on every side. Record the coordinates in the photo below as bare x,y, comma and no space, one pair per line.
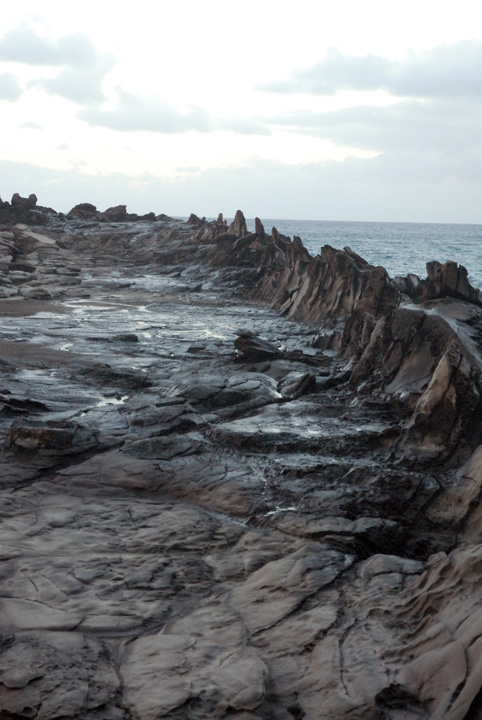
237,481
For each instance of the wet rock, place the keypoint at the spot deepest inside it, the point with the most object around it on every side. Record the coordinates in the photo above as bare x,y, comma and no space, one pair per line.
35,293
127,337
290,532
64,436
296,384
103,375
256,348
240,392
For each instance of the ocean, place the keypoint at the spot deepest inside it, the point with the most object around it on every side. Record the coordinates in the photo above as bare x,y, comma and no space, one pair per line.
401,248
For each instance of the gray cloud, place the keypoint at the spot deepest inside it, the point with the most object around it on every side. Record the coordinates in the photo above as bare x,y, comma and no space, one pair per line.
22,44
391,187
83,67
81,85
188,169
30,126
444,71
10,88
242,126
406,125
133,113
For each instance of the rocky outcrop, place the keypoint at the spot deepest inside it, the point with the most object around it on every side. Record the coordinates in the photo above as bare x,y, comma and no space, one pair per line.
214,508
238,226
24,210
449,280
20,204
33,265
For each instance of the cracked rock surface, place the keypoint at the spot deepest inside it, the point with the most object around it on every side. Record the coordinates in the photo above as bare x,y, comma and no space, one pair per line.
213,508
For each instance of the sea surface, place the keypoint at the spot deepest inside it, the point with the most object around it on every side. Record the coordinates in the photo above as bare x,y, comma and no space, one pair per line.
401,248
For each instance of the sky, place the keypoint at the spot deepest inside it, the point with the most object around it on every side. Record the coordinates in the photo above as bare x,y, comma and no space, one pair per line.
309,110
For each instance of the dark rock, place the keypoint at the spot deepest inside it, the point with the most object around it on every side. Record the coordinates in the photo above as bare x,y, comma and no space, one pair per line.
63,437
22,267
23,204
103,375
278,533
255,348
194,220
259,227
115,214
83,211
238,227
449,280
410,285
296,384
127,337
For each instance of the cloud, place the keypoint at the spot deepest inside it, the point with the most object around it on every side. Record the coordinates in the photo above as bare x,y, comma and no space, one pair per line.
136,113
31,126
444,71
407,125
335,72
22,44
83,66
10,88
188,169
133,113
80,85
242,126
391,187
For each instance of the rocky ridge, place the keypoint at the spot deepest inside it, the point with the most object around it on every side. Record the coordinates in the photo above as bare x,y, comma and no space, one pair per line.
216,509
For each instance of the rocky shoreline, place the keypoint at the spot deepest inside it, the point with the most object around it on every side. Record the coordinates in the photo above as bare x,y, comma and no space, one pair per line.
237,481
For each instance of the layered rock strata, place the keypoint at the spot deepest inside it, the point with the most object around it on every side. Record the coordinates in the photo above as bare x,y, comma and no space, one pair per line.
213,508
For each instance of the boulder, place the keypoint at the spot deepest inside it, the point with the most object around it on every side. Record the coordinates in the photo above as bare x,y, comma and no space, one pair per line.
83,211
22,204
115,214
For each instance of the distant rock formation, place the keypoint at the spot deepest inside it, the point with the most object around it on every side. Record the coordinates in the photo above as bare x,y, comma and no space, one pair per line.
23,204
83,211
25,210
238,226
118,213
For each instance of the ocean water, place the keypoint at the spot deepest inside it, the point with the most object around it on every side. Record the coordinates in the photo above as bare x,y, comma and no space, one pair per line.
401,248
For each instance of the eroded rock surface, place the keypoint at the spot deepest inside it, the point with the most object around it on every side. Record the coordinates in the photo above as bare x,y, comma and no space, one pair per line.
216,509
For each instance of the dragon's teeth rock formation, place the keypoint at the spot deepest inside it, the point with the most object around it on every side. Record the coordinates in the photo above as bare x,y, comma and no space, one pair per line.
211,508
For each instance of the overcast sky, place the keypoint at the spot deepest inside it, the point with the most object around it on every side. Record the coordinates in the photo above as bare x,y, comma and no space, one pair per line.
312,110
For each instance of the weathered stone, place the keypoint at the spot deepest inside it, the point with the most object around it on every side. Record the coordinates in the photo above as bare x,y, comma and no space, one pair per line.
83,211
187,531
256,348
115,214
238,227
259,227
23,204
